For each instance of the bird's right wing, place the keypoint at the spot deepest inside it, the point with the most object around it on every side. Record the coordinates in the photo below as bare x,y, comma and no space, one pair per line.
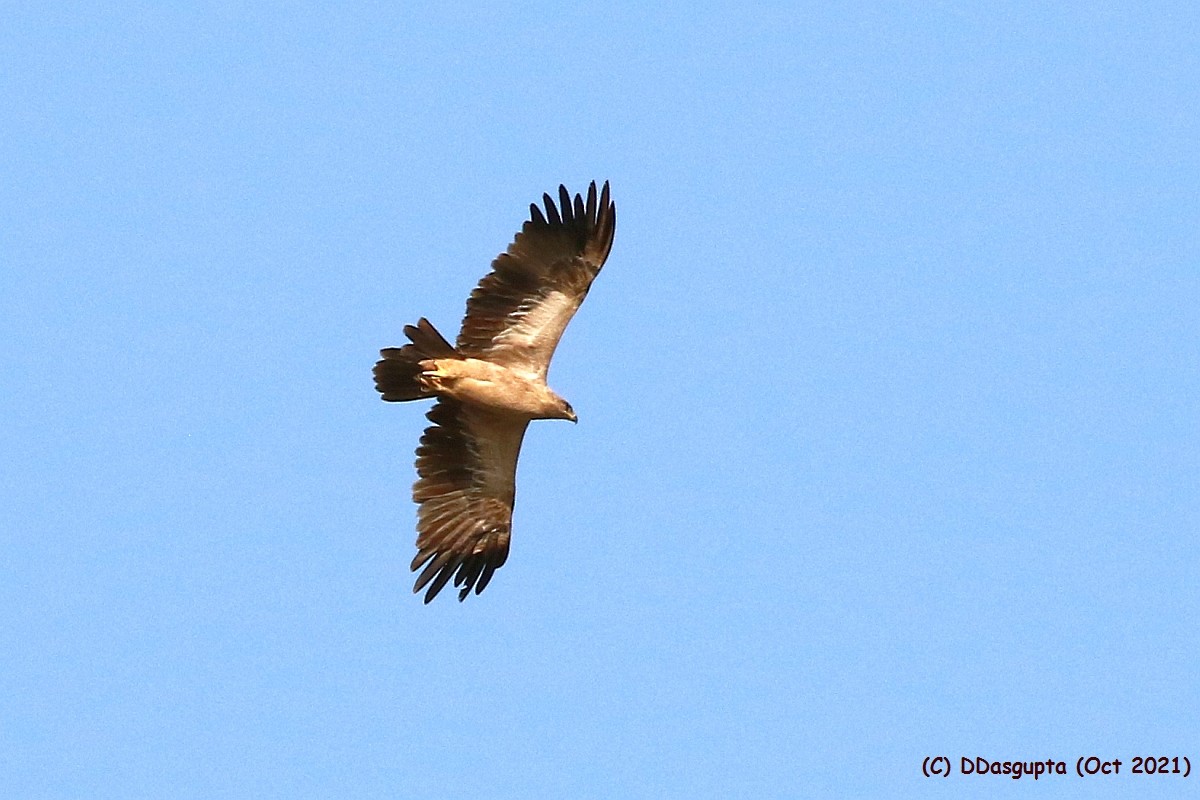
518,312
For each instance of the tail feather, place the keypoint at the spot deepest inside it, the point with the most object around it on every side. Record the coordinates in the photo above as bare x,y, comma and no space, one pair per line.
428,340
397,372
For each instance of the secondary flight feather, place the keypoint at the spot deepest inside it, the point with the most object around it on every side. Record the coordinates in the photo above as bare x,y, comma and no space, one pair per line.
490,384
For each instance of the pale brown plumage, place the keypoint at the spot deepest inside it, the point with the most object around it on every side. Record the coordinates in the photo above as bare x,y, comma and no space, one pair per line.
491,384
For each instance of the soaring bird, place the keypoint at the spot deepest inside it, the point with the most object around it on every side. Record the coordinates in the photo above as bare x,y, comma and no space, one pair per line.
490,384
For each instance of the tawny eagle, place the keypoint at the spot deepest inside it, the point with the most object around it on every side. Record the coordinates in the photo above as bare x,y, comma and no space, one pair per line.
490,384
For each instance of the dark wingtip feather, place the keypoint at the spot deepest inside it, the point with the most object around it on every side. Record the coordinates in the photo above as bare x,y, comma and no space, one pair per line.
442,579
551,211
489,570
590,211
471,574
564,202
434,567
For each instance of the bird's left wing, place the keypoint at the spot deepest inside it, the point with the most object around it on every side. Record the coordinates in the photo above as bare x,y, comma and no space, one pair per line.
466,467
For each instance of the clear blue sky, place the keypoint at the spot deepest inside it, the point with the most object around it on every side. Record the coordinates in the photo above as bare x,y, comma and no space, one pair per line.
889,439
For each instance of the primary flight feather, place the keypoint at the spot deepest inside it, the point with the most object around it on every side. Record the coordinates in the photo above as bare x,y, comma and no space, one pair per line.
490,384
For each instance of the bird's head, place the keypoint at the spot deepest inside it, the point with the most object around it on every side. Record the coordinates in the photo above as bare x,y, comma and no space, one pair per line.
555,407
